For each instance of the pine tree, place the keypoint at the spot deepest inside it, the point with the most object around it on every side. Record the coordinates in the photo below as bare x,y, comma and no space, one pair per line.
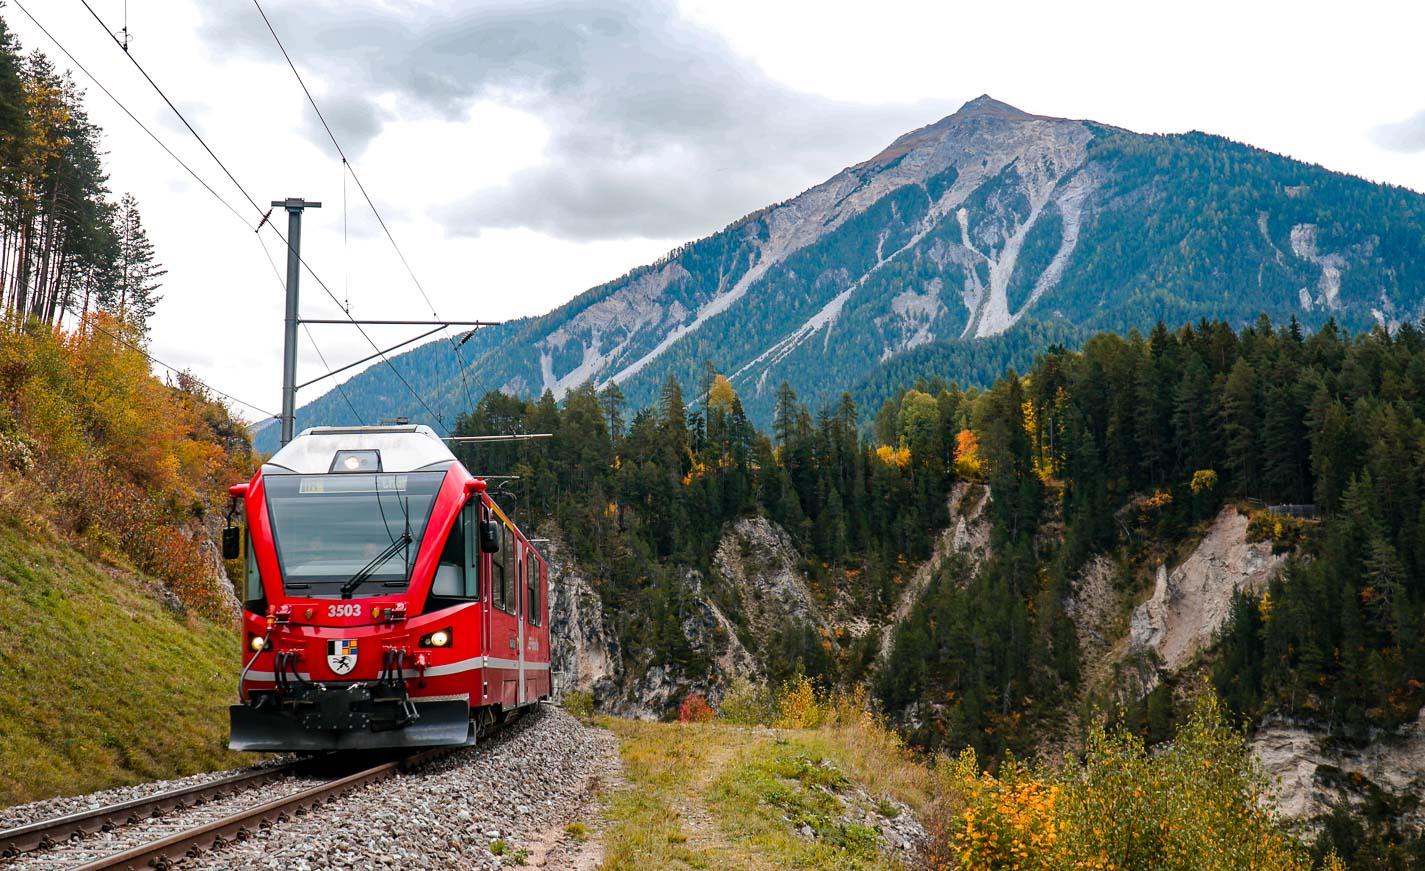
133,296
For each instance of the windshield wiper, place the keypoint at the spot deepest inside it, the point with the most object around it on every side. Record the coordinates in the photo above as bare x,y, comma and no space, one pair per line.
370,568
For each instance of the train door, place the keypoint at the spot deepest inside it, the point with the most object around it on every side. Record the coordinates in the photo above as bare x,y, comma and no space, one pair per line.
520,614
487,582
502,666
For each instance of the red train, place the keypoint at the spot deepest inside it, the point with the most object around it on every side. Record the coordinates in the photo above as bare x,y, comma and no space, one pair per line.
388,601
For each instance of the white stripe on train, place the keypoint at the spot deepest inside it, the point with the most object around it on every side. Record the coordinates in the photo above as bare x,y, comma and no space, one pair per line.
459,667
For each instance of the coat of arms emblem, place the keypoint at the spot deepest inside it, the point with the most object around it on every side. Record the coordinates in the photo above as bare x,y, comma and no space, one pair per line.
341,655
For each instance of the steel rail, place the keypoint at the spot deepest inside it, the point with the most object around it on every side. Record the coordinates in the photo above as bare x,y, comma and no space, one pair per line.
236,826
24,839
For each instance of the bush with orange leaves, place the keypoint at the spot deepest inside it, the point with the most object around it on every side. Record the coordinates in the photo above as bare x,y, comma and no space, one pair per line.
128,465
695,709
1198,803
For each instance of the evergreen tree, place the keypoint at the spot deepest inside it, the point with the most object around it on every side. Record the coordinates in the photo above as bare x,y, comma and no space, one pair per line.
134,296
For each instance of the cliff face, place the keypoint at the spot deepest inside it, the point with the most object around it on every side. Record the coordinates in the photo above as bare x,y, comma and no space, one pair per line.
757,589
1311,771
584,656
1190,603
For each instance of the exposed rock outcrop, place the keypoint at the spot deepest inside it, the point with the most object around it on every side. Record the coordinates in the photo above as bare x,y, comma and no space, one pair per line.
1310,770
758,562
585,656
1093,607
1190,603
968,533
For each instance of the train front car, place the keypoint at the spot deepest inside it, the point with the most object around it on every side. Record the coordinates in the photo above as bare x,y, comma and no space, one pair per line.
378,574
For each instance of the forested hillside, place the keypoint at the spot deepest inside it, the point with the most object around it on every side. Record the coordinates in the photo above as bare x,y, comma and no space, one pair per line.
1127,448
117,610
965,247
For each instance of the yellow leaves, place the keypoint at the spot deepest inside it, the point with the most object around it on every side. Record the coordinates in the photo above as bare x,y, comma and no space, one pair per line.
699,470
136,460
1203,480
1264,606
898,457
798,708
611,509
967,454
721,395
1156,502
1196,804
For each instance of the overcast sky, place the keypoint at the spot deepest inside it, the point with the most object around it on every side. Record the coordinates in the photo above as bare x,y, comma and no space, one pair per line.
522,152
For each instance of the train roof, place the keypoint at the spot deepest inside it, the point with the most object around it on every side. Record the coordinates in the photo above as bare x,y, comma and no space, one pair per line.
396,448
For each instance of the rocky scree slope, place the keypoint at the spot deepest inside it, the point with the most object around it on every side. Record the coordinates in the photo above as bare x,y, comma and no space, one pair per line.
977,226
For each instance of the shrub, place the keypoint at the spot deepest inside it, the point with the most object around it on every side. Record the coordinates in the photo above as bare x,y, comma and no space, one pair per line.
124,462
1200,803
695,709
580,704
747,704
798,707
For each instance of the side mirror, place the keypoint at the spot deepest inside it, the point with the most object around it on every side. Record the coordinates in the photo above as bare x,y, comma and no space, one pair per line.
490,536
232,542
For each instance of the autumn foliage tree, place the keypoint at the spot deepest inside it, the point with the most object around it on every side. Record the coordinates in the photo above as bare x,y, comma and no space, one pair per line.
133,467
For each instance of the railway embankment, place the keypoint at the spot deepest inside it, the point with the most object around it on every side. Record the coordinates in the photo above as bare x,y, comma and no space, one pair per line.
107,684
117,635
511,801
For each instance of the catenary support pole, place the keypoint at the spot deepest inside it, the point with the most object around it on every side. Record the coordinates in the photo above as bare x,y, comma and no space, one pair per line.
294,207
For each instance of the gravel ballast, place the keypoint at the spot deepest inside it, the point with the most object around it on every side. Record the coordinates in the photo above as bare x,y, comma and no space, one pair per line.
51,808
502,795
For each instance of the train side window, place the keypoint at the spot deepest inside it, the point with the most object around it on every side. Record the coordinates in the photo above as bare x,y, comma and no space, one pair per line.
472,550
507,601
498,568
457,574
532,574
449,580
253,595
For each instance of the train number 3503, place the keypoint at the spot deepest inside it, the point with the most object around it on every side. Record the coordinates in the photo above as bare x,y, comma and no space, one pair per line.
350,609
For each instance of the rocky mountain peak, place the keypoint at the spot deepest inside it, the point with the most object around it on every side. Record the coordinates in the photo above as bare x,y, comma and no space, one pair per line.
987,105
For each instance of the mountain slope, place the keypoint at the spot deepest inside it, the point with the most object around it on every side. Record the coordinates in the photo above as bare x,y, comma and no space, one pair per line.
991,221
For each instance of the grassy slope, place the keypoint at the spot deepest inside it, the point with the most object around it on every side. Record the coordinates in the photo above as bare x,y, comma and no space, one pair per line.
103,685
717,796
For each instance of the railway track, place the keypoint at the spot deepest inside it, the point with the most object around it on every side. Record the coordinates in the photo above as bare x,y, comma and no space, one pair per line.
47,839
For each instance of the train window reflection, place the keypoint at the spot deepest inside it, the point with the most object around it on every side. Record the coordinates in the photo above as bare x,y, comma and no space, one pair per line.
327,528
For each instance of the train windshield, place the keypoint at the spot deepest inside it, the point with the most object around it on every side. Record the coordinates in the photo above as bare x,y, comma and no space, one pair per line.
329,528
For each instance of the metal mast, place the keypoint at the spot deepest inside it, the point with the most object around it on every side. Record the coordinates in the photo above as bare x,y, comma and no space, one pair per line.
294,207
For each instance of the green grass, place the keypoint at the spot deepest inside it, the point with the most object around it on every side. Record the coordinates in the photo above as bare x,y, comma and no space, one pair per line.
103,684
719,796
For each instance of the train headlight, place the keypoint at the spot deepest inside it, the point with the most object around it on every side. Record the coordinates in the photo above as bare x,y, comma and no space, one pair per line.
439,638
256,643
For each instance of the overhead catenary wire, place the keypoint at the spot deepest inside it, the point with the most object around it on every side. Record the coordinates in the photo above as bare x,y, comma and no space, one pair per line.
188,169
313,339
196,135
100,85
348,168
184,372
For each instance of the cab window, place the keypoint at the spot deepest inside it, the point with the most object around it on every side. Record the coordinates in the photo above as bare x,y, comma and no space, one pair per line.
253,595
457,575
506,598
